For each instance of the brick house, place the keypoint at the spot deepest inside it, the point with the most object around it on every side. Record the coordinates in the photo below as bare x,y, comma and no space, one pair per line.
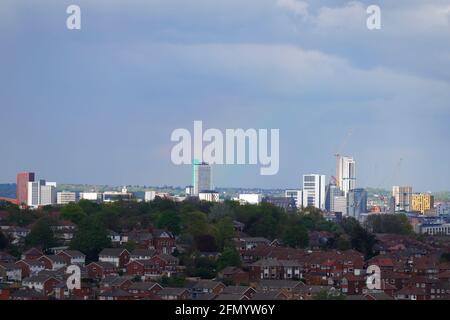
142,254
32,254
275,269
73,257
53,262
99,269
10,272
30,267
174,294
236,275
41,283
145,289
163,241
117,256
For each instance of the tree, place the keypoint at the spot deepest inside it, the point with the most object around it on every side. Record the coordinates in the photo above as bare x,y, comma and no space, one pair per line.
220,211
73,212
224,232
176,282
229,258
202,267
195,223
41,235
296,236
389,223
89,207
90,238
205,243
169,220
360,239
343,243
4,242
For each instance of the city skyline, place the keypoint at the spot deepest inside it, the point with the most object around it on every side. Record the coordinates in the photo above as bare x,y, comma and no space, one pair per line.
98,105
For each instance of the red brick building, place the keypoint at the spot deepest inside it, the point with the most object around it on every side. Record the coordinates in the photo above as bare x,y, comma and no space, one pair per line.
22,186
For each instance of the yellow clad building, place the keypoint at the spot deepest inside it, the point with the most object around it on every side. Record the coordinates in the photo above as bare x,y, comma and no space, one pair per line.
422,202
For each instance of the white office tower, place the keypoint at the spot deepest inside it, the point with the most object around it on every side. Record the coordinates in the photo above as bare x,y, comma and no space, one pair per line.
314,191
202,178
250,198
34,193
48,194
345,173
297,195
149,195
65,197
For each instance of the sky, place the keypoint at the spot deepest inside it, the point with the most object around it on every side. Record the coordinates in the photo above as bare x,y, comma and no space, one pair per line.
98,105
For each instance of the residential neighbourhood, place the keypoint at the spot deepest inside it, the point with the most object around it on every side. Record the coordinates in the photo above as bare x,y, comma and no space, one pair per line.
150,263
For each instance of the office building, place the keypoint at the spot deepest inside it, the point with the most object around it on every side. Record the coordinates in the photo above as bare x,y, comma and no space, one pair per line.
209,195
202,177
149,195
48,194
332,191
340,205
314,191
34,193
356,202
65,197
435,229
189,190
113,196
22,180
422,202
402,196
250,198
297,195
91,196
345,173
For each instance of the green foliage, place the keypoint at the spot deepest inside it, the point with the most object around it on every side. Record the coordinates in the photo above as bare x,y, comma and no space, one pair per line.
169,220
4,242
389,223
195,223
73,212
445,257
296,236
205,243
229,258
442,196
21,218
90,238
360,239
343,243
89,207
224,232
174,282
130,245
41,235
220,211
202,267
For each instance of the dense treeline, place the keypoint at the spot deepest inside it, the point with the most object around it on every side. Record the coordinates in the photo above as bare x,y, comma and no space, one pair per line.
199,227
